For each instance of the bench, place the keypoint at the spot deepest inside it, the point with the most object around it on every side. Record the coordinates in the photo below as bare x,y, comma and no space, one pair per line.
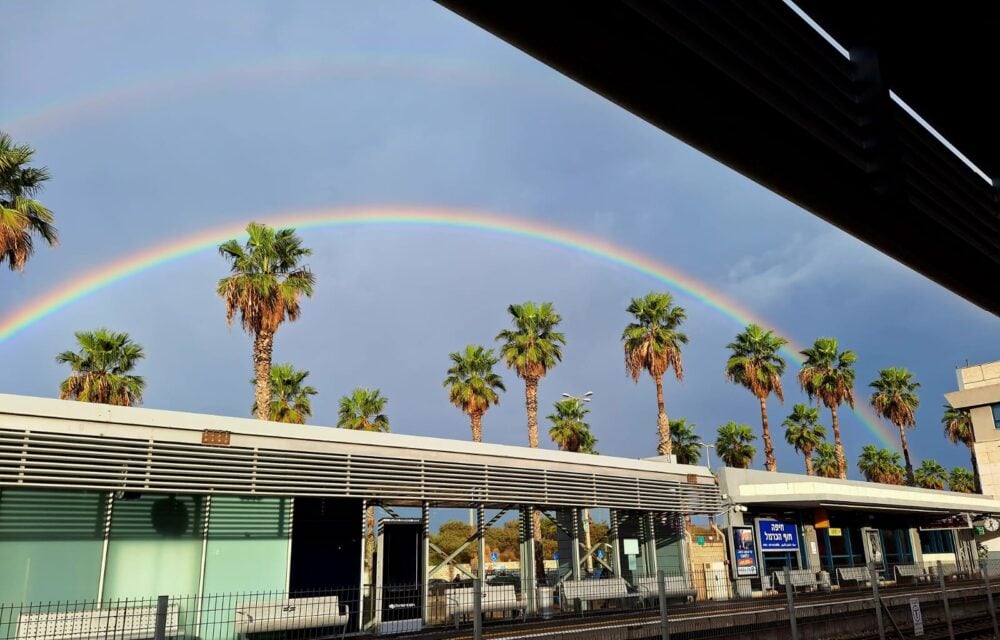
589,590
910,574
674,587
854,576
120,623
800,578
459,601
297,613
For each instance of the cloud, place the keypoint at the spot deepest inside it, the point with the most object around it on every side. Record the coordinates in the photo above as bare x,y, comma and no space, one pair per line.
798,262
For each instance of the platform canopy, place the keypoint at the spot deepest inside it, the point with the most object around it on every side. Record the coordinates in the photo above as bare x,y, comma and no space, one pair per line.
754,86
752,488
65,444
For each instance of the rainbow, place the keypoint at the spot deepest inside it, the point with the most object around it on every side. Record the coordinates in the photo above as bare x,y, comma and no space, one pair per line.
88,283
43,119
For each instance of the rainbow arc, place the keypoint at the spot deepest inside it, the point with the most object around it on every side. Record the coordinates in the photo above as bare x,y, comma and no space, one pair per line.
89,283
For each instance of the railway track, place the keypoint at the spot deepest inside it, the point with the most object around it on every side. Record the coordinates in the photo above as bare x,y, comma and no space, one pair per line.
690,622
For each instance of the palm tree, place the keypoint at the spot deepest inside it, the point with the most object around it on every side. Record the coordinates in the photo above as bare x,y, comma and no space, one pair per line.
362,411
265,287
958,428
829,377
803,431
473,384
22,218
653,344
531,348
931,475
733,445
960,480
825,462
880,465
101,370
569,431
895,398
684,443
756,365
289,399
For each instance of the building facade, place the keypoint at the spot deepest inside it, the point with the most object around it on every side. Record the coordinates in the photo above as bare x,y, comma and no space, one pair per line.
979,394
103,503
828,524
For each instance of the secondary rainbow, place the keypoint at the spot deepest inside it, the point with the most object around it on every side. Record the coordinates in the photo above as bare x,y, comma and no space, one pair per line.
64,295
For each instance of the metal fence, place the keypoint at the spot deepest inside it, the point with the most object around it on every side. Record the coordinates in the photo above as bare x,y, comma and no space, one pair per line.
854,602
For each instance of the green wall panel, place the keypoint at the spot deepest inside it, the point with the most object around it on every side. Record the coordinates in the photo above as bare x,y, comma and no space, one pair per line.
50,545
247,545
668,555
155,547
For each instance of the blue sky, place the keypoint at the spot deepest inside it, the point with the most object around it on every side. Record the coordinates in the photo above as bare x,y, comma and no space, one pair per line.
158,120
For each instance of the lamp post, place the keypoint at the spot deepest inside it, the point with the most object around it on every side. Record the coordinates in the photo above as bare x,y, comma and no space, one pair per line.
708,452
586,512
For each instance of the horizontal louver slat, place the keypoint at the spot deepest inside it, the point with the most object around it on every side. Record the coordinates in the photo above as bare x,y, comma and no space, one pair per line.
72,460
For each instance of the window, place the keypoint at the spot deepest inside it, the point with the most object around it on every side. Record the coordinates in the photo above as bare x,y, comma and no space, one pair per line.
996,415
937,541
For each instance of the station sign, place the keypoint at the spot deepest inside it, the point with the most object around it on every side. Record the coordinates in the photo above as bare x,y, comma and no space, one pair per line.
777,536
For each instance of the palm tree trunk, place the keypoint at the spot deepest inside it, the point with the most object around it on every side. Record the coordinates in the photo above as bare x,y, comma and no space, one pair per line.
809,463
263,344
906,456
975,468
838,445
665,447
477,427
370,543
531,404
769,462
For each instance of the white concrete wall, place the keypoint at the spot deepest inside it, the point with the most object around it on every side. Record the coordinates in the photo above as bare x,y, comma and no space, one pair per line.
979,375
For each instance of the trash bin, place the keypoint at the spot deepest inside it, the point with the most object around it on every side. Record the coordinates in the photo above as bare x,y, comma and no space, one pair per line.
824,581
545,602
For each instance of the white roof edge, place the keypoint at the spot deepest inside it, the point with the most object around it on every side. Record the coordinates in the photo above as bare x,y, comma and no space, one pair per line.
753,486
35,407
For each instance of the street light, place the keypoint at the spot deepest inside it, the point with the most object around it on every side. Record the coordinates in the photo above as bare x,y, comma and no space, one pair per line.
584,398
708,450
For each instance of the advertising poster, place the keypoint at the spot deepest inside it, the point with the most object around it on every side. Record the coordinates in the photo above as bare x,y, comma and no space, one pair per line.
745,551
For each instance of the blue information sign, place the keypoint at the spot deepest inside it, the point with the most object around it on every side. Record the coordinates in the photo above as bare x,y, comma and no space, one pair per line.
600,554
494,557
777,536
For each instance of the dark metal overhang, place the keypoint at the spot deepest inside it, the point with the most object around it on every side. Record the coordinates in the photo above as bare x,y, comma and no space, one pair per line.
756,88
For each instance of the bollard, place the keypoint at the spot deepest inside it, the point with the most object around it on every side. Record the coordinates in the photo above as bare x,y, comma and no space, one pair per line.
989,598
790,594
661,585
160,630
477,609
944,599
873,574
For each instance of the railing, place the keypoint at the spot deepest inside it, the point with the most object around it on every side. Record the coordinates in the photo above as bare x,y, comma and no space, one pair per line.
854,602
